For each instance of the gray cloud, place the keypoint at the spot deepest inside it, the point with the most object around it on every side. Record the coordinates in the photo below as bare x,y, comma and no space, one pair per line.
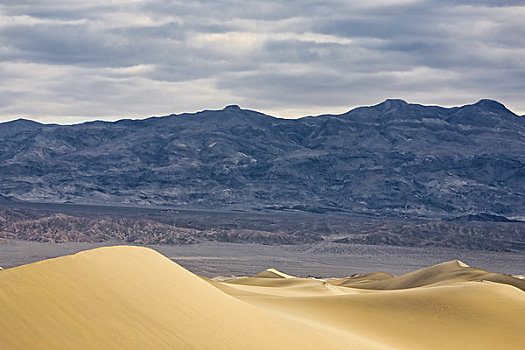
79,60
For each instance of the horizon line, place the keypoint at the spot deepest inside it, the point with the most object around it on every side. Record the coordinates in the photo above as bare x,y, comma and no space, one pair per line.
113,119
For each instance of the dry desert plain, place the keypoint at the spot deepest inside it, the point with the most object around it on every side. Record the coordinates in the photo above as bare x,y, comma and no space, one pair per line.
127,297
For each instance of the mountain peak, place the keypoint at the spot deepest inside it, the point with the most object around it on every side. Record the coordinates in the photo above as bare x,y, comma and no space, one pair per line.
22,121
491,104
488,106
392,103
232,108
389,105
396,101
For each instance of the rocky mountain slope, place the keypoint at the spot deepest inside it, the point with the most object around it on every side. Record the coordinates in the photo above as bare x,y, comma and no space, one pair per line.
391,159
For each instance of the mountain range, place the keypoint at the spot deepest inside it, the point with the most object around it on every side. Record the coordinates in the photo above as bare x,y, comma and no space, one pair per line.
392,159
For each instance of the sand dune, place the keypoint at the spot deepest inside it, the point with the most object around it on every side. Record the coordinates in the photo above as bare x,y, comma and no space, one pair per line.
134,298
360,278
445,273
272,273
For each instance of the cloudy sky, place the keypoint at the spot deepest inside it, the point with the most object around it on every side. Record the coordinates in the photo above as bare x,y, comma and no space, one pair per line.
76,60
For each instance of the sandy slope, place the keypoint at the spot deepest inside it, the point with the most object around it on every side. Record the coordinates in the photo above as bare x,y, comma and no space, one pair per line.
134,298
445,273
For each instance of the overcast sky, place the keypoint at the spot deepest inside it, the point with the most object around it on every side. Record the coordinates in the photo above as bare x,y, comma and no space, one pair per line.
76,60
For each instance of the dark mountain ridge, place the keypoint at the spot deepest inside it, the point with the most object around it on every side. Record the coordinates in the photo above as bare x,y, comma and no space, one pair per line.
391,159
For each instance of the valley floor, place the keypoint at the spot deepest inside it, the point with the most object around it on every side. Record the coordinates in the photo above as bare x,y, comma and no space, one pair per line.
322,259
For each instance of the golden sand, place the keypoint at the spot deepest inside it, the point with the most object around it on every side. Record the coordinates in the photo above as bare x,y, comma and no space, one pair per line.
135,298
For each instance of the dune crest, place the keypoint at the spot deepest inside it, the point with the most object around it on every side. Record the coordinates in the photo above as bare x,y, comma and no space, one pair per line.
461,263
272,273
448,272
134,298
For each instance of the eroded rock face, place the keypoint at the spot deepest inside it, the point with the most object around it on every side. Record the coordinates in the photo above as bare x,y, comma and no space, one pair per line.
390,159
61,228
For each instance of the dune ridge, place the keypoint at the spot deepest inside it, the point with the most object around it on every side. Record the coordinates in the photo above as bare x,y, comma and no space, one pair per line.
272,273
444,273
134,298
